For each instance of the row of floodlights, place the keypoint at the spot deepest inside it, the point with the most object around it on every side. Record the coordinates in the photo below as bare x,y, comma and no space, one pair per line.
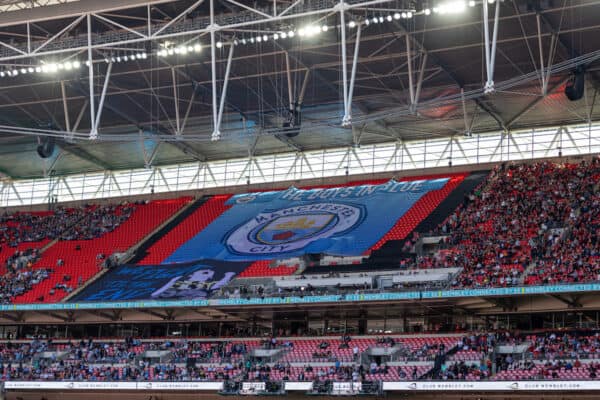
450,7
49,68
46,68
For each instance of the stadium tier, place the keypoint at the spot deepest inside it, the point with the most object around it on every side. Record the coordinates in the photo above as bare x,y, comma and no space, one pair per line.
251,235
468,357
454,231
387,198
81,244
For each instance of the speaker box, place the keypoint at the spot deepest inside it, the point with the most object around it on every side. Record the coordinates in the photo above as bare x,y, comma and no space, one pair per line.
575,88
293,123
46,147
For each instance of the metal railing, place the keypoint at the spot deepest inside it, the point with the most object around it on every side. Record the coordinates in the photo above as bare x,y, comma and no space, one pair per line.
575,140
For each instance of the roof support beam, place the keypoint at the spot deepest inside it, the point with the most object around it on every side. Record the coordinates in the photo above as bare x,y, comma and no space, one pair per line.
176,103
348,115
213,69
490,54
83,154
458,81
93,133
71,9
534,103
217,131
65,106
181,146
102,98
571,301
70,148
567,46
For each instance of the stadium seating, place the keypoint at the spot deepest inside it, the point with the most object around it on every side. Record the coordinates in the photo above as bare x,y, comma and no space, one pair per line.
7,252
552,238
419,211
541,231
547,356
80,258
185,230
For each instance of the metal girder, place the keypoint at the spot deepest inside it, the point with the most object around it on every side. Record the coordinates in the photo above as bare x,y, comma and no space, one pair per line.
327,83
534,103
457,80
83,154
114,316
188,150
71,9
160,31
292,144
9,317
70,148
182,146
169,314
217,131
567,46
572,302
490,53
198,85
347,119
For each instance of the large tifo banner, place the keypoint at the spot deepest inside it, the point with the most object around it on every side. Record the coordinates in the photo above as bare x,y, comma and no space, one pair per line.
341,221
194,280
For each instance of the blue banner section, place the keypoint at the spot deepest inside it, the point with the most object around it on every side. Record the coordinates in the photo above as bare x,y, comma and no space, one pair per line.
81,304
341,221
188,281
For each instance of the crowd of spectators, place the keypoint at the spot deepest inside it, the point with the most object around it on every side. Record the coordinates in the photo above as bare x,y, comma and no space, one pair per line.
21,227
536,223
99,220
463,371
546,356
20,275
563,346
83,223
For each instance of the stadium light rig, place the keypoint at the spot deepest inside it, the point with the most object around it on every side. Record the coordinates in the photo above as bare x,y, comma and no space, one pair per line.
54,67
309,31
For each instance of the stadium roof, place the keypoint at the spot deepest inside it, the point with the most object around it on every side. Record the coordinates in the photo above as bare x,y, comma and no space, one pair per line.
140,123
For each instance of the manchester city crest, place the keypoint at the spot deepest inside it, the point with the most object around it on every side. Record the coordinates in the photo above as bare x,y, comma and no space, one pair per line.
293,228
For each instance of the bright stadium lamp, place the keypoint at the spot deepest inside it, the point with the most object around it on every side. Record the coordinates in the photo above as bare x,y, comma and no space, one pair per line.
451,7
